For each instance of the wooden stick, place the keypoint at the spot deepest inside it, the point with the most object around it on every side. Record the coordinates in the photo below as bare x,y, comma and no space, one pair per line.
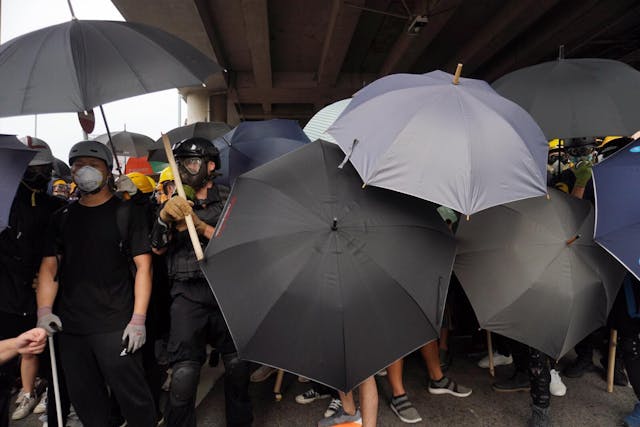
613,339
573,239
277,388
193,234
492,369
456,77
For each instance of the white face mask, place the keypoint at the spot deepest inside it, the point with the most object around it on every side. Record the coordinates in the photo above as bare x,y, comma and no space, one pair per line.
88,179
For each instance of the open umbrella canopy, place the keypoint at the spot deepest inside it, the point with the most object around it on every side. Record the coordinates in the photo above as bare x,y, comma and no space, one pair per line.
252,144
529,278
206,130
14,158
316,127
458,145
128,144
78,65
342,281
618,205
572,98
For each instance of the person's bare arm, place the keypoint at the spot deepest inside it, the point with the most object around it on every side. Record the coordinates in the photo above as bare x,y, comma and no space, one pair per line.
47,288
142,285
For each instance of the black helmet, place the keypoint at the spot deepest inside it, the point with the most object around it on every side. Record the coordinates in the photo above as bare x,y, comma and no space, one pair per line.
197,147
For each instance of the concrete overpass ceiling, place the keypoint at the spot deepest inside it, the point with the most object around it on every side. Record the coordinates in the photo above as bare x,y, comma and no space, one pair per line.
289,58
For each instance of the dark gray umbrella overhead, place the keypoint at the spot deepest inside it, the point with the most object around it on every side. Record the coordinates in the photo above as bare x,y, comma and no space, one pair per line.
78,65
525,277
129,144
320,277
61,170
577,97
206,130
14,158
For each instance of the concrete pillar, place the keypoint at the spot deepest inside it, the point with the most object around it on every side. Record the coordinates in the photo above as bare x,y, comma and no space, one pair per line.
197,107
218,108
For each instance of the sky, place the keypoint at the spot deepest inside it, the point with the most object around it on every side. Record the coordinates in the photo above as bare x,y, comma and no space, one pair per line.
148,114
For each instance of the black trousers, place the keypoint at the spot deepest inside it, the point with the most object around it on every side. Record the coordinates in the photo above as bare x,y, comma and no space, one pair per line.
93,362
196,320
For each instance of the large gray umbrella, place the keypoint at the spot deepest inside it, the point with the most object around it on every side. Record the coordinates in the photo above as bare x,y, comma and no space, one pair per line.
577,97
458,145
529,278
128,144
319,277
14,159
78,65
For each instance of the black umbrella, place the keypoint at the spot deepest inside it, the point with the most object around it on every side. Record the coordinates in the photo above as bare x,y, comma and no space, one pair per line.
78,65
14,158
533,273
206,130
577,97
320,277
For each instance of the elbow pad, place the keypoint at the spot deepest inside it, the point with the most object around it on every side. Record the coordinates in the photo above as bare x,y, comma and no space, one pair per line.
159,234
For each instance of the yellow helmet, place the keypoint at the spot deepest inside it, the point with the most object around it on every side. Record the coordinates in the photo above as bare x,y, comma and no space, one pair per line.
141,182
608,139
152,183
554,143
165,175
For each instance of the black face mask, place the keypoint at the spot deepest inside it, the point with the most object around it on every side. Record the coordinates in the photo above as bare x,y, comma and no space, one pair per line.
37,177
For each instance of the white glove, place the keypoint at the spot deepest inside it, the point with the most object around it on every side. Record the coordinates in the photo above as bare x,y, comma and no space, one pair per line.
124,183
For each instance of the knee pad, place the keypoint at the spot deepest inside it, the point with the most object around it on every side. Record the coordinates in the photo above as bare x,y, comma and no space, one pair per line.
184,383
236,370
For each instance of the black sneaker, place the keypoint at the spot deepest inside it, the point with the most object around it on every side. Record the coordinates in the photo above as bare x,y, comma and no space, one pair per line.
519,381
579,367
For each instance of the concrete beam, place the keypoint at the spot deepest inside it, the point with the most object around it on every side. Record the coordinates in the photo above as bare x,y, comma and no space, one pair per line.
408,48
315,95
256,20
513,19
342,24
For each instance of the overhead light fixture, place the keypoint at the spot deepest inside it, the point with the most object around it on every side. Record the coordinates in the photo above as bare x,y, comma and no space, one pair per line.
416,24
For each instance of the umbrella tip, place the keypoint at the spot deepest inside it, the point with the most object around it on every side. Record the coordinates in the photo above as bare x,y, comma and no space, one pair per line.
561,52
456,77
573,239
334,225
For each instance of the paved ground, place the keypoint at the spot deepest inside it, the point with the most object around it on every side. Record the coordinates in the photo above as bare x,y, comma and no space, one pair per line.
586,404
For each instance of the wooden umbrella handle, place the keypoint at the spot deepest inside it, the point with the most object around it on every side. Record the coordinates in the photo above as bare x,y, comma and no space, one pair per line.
613,340
456,77
193,234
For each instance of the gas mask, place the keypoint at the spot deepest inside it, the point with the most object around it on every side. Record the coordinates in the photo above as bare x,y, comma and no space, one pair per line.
193,171
89,179
37,177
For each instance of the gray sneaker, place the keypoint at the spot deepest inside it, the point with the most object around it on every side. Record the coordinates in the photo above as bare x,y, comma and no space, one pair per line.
404,409
340,417
447,386
28,402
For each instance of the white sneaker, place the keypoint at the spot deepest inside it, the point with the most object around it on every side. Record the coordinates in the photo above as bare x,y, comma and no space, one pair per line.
28,402
498,360
557,387
41,407
262,373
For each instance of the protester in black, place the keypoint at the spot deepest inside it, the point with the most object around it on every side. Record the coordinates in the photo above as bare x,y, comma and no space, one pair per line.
100,301
20,256
196,319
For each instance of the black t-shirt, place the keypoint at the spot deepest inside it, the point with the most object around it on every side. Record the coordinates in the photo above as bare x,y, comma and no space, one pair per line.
95,291
21,249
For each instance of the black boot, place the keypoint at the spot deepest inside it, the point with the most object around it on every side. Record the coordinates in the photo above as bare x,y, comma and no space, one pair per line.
540,417
578,367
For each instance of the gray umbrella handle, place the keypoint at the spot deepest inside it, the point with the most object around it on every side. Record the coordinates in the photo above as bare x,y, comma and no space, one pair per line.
56,387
